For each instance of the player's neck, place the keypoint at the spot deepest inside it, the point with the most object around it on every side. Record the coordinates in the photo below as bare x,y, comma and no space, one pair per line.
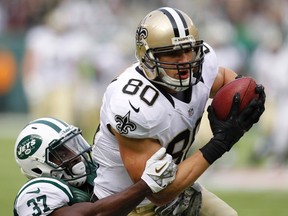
179,95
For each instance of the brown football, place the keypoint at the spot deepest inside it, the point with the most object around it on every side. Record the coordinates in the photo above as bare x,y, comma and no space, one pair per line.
223,99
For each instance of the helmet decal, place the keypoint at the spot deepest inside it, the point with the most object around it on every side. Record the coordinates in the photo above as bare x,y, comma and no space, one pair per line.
28,146
141,33
177,21
50,124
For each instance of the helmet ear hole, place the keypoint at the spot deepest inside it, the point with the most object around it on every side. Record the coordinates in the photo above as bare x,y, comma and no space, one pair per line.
149,68
37,171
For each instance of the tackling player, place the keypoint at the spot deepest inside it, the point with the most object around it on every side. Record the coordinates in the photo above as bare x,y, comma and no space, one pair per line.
56,158
159,102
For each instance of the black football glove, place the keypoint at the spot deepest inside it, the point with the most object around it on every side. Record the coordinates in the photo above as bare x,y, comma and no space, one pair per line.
254,110
228,132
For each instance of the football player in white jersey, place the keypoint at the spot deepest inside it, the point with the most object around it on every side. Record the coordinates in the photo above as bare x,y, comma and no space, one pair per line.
159,102
57,159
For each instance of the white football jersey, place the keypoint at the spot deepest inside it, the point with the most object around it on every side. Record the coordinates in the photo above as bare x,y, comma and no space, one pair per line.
137,108
41,196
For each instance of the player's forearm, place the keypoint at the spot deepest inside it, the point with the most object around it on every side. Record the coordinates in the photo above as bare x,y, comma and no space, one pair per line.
224,76
118,204
124,202
188,172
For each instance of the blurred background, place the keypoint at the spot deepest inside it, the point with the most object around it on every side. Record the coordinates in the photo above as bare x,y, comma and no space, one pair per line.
58,56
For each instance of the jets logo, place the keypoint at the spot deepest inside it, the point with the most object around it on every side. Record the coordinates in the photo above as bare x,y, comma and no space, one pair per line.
124,124
141,33
28,146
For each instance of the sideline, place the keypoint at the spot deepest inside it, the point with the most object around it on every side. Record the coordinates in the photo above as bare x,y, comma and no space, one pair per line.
249,179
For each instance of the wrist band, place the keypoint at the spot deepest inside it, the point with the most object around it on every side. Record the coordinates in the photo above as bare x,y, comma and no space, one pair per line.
213,150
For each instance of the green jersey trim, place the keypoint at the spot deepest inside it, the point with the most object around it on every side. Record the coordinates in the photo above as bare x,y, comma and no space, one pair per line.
52,181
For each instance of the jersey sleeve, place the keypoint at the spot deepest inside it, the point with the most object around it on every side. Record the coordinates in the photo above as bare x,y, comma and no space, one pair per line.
41,196
137,113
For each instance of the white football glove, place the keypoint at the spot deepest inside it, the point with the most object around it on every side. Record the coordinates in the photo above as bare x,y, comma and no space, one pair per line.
160,171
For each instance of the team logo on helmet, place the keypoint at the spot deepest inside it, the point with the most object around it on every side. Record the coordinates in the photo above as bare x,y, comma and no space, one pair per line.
124,124
141,33
28,146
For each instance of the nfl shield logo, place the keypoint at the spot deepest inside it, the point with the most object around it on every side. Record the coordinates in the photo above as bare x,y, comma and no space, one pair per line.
190,112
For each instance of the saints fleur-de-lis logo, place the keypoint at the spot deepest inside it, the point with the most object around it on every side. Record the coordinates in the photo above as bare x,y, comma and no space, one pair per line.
141,33
124,124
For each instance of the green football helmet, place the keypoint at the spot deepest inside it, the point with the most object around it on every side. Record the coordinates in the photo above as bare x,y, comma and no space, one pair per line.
51,147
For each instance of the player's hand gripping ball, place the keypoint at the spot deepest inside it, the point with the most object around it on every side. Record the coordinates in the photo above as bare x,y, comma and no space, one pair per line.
222,101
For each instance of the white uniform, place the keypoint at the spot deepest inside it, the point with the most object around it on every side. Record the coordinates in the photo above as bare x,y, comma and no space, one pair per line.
41,196
138,109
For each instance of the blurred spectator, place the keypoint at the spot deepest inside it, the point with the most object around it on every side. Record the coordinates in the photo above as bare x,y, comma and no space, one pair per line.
222,37
53,64
67,63
7,76
3,18
269,63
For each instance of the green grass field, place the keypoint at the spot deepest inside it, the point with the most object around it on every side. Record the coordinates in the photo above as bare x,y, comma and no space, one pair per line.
11,178
264,203
261,203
